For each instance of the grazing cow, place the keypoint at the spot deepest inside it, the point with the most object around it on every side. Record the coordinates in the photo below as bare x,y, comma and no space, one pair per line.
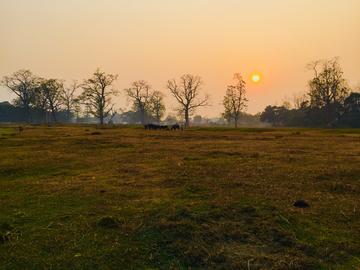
174,127
163,127
152,126
155,127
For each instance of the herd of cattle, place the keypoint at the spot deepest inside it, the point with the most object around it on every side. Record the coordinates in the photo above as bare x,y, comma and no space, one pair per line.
155,127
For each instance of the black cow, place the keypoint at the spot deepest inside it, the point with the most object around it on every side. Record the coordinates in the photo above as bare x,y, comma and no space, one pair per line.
155,127
174,127
163,127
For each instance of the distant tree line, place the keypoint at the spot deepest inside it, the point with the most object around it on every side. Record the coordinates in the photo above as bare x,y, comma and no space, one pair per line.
330,102
51,100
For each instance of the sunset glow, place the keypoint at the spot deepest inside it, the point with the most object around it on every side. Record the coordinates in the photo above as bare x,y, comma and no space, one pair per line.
151,41
255,78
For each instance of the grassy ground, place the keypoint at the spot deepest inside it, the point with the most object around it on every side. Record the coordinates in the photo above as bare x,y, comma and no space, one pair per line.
85,197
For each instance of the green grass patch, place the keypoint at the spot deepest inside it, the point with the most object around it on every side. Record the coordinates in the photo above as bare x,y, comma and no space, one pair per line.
342,131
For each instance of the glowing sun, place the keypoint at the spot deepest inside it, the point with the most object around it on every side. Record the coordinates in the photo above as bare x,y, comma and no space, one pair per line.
255,78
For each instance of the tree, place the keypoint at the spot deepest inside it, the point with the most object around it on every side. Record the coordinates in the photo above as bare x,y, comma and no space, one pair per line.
227,114
327,88
22,83
170,119
197,120
128,117
298,98
235,101
52,90
77,109
10,113
274,115
158,105
286,102
40,103
69,99
141,94
352,110
187,94
97,95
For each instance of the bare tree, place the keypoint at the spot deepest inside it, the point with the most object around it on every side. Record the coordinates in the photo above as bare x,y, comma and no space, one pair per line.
286,102
327,88
22,83
140,93
299,98
158,105
69,99
235,101
187,94
97,95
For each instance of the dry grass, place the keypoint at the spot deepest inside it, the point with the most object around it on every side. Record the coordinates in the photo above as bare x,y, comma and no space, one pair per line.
123,198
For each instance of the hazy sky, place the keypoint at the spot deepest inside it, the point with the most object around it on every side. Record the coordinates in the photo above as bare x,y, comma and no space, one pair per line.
157,40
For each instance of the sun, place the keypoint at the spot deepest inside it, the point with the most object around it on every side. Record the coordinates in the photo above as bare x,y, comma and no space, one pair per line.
255,78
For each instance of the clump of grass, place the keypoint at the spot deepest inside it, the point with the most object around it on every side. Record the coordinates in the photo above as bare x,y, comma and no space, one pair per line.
108,222
6,231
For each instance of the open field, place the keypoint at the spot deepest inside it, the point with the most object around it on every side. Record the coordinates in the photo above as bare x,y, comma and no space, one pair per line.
85,197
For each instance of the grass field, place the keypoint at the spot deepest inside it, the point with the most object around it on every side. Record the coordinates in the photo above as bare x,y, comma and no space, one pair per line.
117,197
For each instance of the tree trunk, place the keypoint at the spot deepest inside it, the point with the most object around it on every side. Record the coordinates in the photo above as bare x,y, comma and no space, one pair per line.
187,123
143,117
52,109
27,113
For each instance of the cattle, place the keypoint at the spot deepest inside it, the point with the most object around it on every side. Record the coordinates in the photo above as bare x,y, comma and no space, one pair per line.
174,127
155,127
164,127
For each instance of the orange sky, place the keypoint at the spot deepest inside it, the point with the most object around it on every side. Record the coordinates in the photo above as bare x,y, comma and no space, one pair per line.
157,40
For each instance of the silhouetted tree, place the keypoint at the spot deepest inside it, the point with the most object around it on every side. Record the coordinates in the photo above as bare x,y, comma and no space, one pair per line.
299,98
327,88
187,94
52,90
69,99
140,93
277,116
97,95
158,105
352,110
22,83
235,101
10,113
